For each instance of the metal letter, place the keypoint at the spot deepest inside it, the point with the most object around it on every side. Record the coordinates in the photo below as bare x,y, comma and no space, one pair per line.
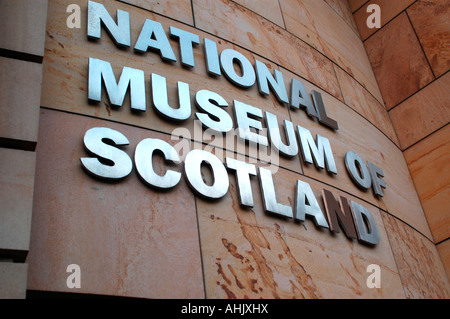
192,170
212,57
119,164
269,197
212,103
243,171
339,215
321,153
301,99
265,78
303,195
161,99
322,114
143,158
274,133
248,77
365,224
355,165
120,32
153,36
132,78
244,122
377,182
186,40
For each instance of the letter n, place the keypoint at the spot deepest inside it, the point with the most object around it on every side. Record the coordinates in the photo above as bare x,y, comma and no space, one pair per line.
98,15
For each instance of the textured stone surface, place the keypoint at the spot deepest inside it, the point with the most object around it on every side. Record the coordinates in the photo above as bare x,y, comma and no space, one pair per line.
227,20
128,239
398,61
356,4
23,26
16,196
269,9
342,8
388,8
180,10
423,113
13,280
418,262
430,170
430,21
317,24
365,104
444,252
20,89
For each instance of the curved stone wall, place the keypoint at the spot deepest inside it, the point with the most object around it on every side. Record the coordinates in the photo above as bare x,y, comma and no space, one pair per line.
132,240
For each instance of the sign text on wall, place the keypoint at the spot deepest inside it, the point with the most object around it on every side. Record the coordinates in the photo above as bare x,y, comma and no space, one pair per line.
108,161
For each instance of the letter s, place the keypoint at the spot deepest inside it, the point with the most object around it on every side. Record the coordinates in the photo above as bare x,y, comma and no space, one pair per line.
110,162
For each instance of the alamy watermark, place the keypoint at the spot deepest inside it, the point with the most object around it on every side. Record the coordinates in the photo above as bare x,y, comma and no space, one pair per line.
230,144
74,279
374,19
374,279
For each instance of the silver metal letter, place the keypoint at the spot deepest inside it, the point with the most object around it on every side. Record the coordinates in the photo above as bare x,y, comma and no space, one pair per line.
269,196
274,133
192,170
243,171
321,153
377,182
265,78
321,112
301,99
339,214
305,194
120,32
132,78
118,163
366,227
161,99
159,43
143,158
186,40
248,77
213,103
244,122
212,57
355,165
